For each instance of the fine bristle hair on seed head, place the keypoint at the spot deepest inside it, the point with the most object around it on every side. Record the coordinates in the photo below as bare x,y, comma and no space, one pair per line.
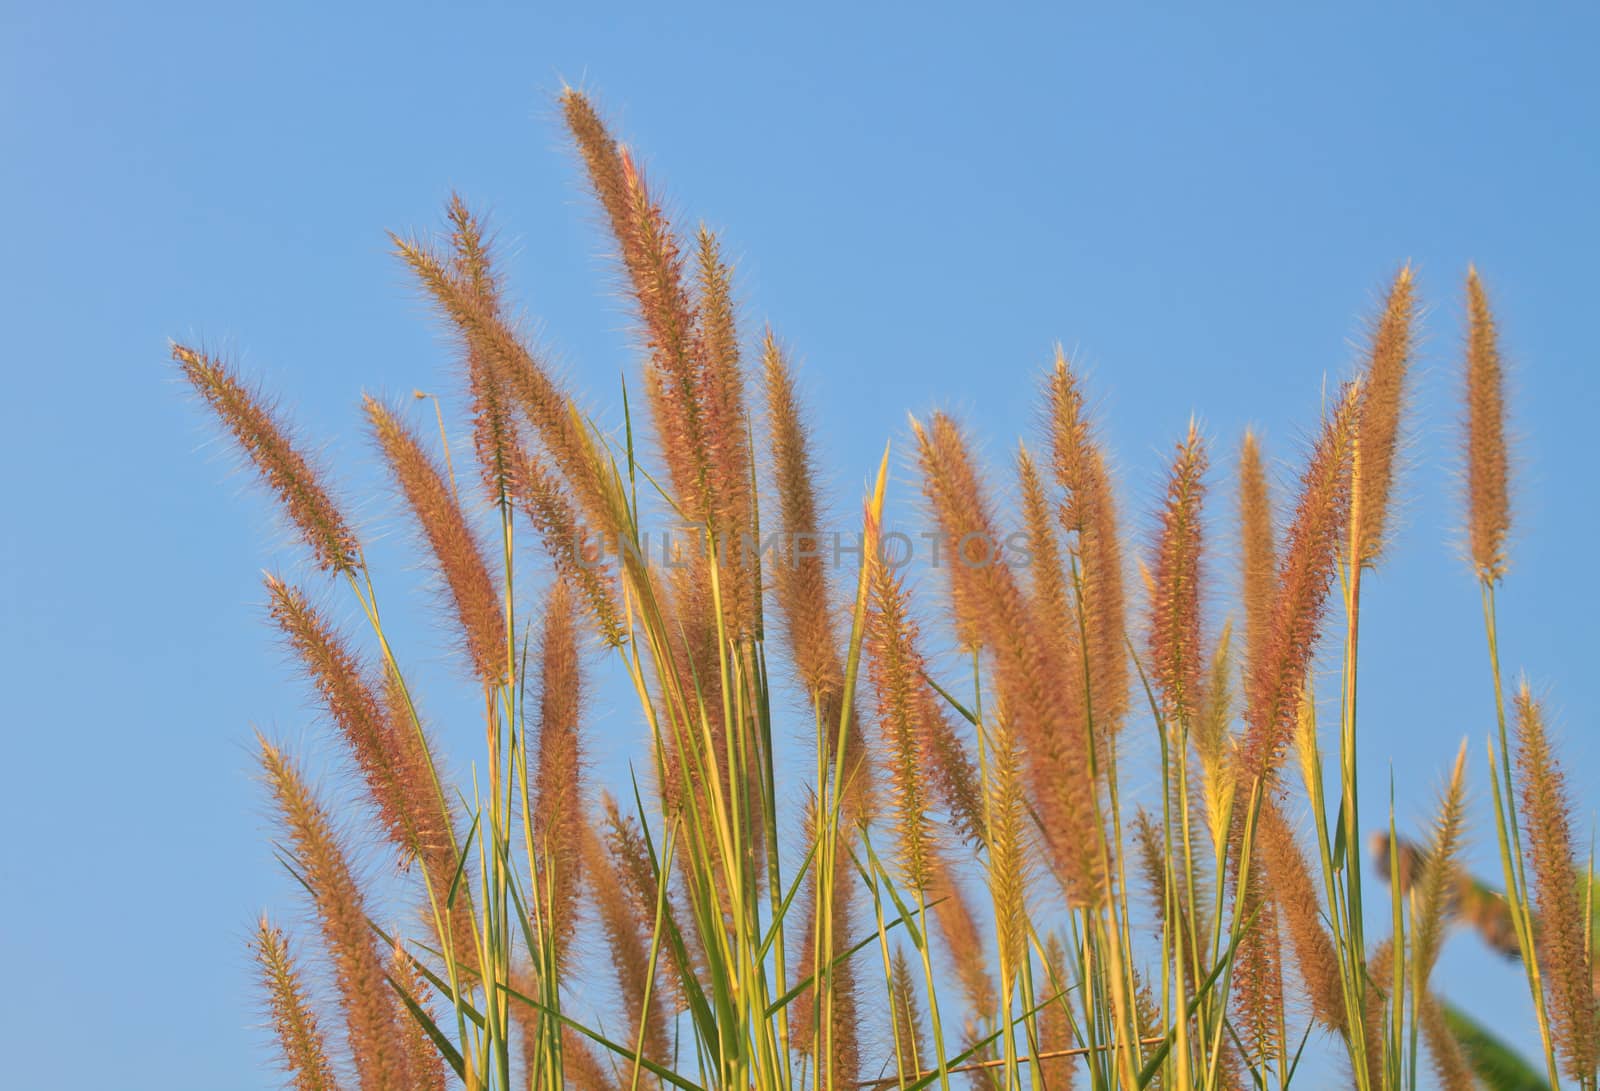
425,1065
523,377
1376,440
559,808
1487,469
1174,644
895,670
379,733
572,548
458,556
340,907
1564,949
628,937
302,1048
800,580
1289,879
1312,550
1258,551
1088,513
493,430
269,445
989,605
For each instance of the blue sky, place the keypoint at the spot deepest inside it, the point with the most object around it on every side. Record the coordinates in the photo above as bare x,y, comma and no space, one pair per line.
1201,207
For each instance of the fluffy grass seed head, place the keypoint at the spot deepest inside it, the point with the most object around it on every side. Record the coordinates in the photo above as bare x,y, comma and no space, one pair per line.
1383,398
1564,947
302,1048
559,810
457,554
1488,469
269,445
1175,629
358,968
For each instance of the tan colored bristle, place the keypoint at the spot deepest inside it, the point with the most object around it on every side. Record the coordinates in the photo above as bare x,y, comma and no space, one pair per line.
958,927
1305,576
425,809
424,1066
493,432
952,773
301,1045
628,940
1174,644
835,1043
1165,898
1295,892
392,755
937,758
267,442
1213,737
909,1034
1564,951
800,576
1258,974
581,1065
558,817
990,606
1258,553
728,433
1450,1065
510,363
676,382
1383,398
1488,470
1089,512
600,156
894,667
358,969
631,862
1055,1018
1050,599
457,554
1009,845
568,542
1432,905
800,582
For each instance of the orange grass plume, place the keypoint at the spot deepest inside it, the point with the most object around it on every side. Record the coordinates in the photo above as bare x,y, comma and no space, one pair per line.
457,553
269,445
1488,471
359,974
302,1048
1564,950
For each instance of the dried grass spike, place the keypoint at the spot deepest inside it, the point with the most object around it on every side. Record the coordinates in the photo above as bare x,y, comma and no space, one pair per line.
1258,553
457,553
1175,649
1564,950
1306,573
558,817
302,1048
424,1065
358,969
1383,396
269,445
1488,472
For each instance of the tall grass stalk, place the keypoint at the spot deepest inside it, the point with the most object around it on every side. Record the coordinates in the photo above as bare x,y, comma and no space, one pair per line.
788,926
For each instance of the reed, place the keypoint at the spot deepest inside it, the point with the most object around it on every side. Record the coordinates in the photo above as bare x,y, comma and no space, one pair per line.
1067,854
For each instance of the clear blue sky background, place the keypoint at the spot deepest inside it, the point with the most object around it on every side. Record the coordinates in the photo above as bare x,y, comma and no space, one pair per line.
922,200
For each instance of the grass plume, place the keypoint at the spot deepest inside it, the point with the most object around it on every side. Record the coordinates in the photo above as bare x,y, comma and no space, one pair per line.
269,445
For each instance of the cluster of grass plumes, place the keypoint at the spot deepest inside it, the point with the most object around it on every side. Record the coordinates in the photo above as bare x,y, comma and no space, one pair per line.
961,886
